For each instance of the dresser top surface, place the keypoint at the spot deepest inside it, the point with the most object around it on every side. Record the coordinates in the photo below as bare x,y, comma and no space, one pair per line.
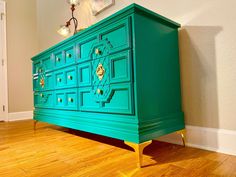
133,8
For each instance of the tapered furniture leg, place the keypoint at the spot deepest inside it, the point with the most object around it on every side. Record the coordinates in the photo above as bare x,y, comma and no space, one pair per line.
182,133
138,148
35,122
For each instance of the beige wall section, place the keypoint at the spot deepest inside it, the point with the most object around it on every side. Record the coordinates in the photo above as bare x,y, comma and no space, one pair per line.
21,46
207,51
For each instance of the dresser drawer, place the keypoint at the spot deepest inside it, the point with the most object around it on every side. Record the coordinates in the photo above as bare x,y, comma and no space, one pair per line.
44,64
66,99
117,35
117,98
84,74
43,81
66,78
84,48
64,57
114,68
43,99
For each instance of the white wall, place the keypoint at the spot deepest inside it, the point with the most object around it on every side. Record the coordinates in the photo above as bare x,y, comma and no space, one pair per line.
22,44
207,51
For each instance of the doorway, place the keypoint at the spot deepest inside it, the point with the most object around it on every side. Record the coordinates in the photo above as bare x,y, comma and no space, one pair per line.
3,65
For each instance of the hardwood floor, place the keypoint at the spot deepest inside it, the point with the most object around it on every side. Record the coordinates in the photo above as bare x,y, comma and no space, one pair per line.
53,151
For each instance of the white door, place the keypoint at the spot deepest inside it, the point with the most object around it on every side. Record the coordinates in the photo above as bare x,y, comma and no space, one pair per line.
3,82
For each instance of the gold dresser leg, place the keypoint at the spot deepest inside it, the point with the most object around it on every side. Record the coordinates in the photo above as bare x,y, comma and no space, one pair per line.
35,122
182,133
138,148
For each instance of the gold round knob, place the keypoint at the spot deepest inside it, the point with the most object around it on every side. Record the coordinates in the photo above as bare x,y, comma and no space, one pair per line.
99,91
70,99
68,55
59,100
70,77
58,59
41,95
97,51
59,79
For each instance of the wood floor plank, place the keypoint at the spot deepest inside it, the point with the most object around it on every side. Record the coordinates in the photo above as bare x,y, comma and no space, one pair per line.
53,151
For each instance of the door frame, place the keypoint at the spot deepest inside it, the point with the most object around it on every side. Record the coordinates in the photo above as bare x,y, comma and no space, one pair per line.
4,61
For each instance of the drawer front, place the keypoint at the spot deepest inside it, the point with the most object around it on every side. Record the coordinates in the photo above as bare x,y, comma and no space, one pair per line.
84,74
114,68
44,64
84,48
47,63
37,65
117,35
59,60
43,99
43,81
66,99
66,78
117,98
64,57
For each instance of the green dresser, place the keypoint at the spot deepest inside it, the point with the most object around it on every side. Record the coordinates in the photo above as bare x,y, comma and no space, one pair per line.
118,78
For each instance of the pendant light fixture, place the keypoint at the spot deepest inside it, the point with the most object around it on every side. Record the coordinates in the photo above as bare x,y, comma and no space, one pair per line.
64,29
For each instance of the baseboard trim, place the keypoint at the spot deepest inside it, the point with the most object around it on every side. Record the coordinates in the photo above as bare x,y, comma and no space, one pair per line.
212,139
219,140
14,116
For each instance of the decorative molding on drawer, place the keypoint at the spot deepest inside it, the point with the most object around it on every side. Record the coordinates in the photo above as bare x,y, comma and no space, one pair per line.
14,116
213,139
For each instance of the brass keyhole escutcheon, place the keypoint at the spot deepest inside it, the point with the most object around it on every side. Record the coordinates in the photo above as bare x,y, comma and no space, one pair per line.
42,83
100,71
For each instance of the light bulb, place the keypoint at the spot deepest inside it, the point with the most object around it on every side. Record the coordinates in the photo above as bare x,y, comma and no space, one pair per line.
73,2
64,30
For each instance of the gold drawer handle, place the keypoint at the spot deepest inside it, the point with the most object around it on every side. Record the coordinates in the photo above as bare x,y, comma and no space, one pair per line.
100,71
99,91
70,77
97,51
58,59
68,55
41,95
59,79
42,82
70,100
59,100
40,70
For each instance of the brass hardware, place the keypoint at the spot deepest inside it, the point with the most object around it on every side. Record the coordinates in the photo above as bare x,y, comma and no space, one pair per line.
138,148
40,70
182,133
58,59
59,100
100,71
42,83
35,122
59,79
99,91
68,55
70,77
70,99
97,51
41,95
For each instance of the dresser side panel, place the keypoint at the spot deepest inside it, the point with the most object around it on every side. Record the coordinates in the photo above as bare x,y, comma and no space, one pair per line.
158,75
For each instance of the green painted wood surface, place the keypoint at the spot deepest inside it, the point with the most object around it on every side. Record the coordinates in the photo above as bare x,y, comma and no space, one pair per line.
137,99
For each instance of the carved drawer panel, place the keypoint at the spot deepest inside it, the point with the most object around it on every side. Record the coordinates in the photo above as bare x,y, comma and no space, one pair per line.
43,99
43,81
66,99
113,99
66,78
114,68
